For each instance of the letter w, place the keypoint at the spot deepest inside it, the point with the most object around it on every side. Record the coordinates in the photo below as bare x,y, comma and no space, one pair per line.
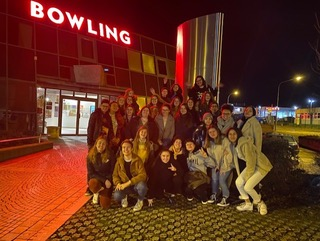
74,20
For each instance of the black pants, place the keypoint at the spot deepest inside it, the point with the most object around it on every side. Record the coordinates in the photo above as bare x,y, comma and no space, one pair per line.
200,192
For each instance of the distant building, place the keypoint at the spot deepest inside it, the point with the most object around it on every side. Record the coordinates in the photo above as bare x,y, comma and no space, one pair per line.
308,116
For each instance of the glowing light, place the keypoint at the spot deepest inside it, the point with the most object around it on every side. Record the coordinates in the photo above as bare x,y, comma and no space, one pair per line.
57,16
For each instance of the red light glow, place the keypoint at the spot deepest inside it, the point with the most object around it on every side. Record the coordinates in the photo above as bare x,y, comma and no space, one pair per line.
57,16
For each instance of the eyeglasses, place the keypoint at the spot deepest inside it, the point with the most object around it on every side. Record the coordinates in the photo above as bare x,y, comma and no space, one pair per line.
165,109
224,113
105,106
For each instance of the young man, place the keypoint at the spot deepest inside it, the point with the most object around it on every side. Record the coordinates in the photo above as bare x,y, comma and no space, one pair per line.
129,176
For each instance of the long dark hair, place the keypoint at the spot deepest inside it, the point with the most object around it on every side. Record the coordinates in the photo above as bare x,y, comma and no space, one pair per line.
237,130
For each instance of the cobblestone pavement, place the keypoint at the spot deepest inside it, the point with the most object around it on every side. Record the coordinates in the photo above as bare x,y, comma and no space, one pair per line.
39,192
186,220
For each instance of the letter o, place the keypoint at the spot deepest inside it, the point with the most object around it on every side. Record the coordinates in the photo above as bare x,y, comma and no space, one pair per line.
55,10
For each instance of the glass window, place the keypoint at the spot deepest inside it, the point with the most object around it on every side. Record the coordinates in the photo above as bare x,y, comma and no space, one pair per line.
171,69
147,45
92,96
67,44
65,72
120,57
66,92
160,49
151,81
3,60
148,64
110,80
138,85
171,52
104,53
80,94
22,96
134,59
3,24
87,48
47,64
162,67
122,78
44,36
21,33
67,61
21,63
135,42
3,93
52,107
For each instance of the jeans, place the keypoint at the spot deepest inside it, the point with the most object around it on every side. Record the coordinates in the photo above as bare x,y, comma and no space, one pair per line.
219,178
140,188
246,188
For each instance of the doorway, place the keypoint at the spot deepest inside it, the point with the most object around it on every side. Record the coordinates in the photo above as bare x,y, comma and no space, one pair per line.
75,114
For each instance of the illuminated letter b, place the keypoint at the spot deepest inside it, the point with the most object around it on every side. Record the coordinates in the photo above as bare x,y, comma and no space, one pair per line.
36,10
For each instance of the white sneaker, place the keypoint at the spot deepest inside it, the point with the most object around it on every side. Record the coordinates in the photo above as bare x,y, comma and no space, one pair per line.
124,202
95,198
138,205
262,208
245,207
212,199
190,199
224,202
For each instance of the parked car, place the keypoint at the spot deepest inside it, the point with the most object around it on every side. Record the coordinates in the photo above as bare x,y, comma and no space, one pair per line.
292,143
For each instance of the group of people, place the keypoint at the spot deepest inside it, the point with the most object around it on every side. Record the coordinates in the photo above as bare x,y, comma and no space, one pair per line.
175,147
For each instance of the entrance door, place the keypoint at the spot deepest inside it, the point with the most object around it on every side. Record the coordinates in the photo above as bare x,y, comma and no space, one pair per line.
75,116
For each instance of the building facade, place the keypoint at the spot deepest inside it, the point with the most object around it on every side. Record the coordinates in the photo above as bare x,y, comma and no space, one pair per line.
56,66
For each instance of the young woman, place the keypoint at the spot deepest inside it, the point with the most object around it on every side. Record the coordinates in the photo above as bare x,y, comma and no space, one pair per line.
175,105
250,126
218,148
257,167
205,102
144,148
165,122
184,125
200,86
165,178
225,120
142,119
100,163
199,135
197,180
193,111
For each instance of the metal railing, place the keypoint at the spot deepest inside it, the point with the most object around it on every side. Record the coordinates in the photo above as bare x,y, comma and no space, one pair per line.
23,138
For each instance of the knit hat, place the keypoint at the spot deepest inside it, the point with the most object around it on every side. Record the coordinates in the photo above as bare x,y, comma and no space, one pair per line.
207,114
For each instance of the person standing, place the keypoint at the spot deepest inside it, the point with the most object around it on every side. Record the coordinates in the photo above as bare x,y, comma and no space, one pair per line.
225,120
166,125
257,167
100,163
129,176
250,126
97,126
218,148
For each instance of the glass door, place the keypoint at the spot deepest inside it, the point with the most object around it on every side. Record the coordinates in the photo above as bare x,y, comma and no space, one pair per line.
75,116
86,109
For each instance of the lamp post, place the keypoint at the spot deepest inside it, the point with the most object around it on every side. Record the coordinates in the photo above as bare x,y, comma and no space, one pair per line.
311,101
233,93
297,78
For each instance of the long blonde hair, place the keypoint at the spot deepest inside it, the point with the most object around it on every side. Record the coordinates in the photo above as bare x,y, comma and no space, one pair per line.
105,155
136,141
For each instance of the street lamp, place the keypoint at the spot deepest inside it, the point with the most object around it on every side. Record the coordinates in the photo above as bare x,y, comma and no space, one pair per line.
311,101
297,78
233,93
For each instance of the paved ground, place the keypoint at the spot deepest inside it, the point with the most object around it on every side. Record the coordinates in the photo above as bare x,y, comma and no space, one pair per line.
42,198
191,221
39,192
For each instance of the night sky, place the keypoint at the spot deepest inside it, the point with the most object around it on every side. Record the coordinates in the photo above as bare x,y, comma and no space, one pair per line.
264,42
